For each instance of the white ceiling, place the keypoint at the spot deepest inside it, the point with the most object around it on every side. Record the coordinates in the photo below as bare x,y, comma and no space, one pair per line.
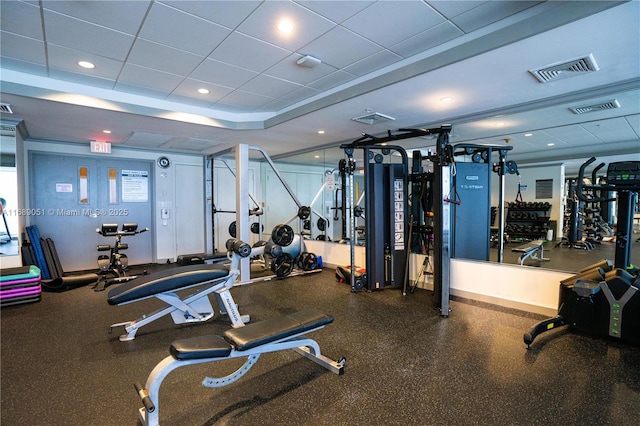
399,58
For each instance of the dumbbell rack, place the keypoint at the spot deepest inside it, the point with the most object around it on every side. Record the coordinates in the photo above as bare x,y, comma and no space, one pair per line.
528,221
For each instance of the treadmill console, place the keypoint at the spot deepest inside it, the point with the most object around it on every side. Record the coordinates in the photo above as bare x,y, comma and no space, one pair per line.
624,174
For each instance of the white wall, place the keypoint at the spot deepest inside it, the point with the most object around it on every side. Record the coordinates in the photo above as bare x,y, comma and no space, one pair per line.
166,186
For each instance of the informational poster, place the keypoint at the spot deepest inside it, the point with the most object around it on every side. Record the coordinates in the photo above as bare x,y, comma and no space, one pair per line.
544,188
135,186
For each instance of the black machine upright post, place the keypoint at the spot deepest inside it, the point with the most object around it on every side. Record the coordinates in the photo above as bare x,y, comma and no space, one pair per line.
624,231
442,224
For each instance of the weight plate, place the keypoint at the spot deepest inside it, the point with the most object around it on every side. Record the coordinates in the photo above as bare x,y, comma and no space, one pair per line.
304,212
282,265
282,235
232,229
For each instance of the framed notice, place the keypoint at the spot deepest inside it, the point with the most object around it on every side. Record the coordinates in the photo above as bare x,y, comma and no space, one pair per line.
135,186
544,188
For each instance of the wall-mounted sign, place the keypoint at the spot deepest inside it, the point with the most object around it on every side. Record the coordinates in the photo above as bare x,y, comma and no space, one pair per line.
135,186
101,147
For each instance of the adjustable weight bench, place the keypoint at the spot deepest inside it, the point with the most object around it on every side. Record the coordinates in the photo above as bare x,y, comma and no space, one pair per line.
530,250
195,307
250,341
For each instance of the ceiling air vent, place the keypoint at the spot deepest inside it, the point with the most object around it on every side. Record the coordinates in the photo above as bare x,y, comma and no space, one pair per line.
6,108
603,106
373,118
566,69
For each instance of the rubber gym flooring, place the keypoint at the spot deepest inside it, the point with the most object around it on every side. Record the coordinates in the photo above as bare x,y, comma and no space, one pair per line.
405,364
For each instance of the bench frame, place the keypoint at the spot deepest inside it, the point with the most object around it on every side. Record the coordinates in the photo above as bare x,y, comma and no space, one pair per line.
195,307
530,250
306,347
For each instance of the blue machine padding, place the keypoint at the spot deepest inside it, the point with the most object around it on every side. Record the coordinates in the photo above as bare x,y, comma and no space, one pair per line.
34,238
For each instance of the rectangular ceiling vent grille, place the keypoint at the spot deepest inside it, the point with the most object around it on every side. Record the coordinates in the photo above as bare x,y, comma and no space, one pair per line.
373,118
572,68
6,108
597,107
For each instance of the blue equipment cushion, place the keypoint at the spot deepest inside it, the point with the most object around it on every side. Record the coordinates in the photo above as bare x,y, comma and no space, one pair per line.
273,329
209,346
19,273
163,281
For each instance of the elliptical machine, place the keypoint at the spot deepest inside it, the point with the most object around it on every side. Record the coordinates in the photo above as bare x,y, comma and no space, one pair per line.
604,299
115,263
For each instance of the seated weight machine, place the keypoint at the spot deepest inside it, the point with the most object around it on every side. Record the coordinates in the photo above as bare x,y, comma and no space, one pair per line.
604,299
115,263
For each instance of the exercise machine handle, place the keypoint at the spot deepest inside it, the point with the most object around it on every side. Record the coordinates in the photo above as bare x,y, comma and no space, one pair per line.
144,396
580,186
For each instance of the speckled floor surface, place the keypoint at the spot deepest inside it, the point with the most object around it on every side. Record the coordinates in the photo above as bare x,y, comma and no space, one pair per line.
405,365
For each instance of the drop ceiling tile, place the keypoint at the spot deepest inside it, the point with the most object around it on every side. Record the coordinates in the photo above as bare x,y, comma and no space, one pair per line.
163,58
300,94
611,130
22,48
256,55
125,16
160,82
307,25
228,13
185,31
270,86
574,135
244,100
634,122
340,48
22,66
332,80
80,35
426,40
336,11
80,78
490,12
147,139
21,18
188,90
389,22
372,63
274,105
222,74
189,144
64,59
451,9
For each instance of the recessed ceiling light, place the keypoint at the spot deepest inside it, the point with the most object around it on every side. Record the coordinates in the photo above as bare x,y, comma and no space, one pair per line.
446,99
316,156
203,91
106,131
285,26
321,132
550,144
500,123
86,64
528,134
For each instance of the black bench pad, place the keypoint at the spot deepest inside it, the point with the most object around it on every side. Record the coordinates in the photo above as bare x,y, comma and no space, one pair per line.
528,246
163,281
273,329
209,346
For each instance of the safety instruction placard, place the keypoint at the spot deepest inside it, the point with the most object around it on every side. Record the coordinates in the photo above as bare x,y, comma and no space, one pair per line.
135,186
